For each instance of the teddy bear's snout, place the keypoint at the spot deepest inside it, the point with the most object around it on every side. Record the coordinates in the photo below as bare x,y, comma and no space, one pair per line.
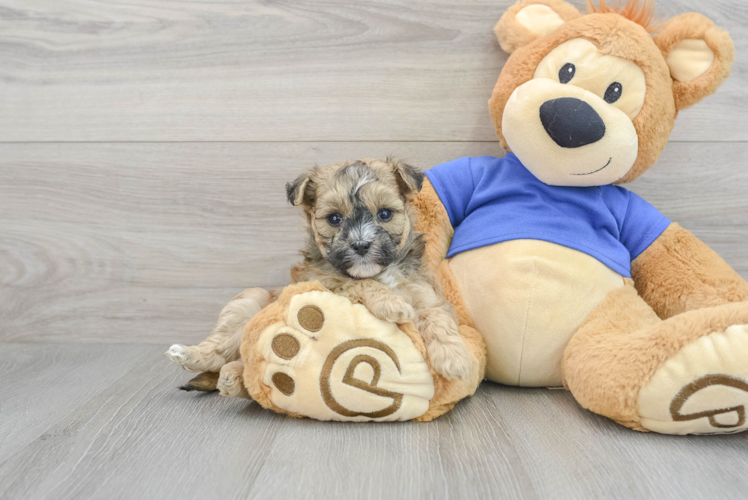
571,122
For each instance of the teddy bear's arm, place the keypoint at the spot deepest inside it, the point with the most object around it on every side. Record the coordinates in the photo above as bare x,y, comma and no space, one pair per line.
434,222
679,273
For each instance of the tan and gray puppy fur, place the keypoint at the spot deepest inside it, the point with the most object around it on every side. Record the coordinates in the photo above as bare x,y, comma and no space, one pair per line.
218,355
362,244
372,255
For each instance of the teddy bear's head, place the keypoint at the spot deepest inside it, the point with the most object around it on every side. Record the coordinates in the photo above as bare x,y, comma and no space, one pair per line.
588,100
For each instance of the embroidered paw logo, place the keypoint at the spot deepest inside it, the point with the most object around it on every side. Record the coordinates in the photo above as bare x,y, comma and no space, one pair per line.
332,360
732,416
350,379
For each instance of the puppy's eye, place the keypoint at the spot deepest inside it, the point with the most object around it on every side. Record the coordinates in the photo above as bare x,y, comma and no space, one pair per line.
384,214
613,92
566,73
334,219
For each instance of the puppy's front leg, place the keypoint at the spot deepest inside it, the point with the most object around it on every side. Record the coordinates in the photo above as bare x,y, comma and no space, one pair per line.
380,301
446,348
222,345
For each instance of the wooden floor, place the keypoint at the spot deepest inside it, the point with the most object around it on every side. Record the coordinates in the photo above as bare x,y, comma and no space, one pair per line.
143,151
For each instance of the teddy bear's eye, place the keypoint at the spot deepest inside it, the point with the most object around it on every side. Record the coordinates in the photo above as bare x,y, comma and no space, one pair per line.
613,92
567,73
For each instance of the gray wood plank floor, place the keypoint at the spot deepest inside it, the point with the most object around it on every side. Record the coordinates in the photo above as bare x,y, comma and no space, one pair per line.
144,147
142,438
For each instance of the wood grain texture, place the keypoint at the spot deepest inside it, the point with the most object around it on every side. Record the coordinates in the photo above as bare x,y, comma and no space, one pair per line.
146,242
375,70
43,384
142,438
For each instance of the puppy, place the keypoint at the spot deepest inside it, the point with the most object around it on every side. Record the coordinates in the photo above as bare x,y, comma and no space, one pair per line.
362,244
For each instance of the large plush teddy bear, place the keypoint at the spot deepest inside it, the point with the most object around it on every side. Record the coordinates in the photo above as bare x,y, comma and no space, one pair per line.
570,279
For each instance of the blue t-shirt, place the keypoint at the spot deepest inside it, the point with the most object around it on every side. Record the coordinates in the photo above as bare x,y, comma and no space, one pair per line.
490,200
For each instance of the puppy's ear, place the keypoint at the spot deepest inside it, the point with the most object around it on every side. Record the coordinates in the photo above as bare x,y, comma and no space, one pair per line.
699,55
409,179
302,190
528,20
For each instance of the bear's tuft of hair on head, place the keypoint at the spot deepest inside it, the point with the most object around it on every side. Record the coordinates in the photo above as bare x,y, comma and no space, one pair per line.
642,12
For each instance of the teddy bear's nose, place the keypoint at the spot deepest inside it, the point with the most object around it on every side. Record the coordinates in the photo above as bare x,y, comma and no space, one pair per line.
571,123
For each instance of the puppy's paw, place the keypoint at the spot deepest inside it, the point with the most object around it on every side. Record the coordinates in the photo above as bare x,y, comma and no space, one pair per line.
231,381
393,309
230,386
183,357
450,358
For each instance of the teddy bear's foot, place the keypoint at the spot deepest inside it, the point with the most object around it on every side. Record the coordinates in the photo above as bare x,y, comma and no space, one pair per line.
323,357
702,389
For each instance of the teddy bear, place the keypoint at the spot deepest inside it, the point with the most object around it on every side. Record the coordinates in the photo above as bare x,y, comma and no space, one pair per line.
559,276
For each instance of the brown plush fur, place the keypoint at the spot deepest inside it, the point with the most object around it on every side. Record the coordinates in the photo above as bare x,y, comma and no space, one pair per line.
512,35
679,273
696,26
433,222
623,343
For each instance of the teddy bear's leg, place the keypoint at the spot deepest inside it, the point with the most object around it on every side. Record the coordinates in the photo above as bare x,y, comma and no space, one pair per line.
230,380
222,345
685,375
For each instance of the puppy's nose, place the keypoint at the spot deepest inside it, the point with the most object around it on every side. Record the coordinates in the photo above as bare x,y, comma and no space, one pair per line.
361,247
571,123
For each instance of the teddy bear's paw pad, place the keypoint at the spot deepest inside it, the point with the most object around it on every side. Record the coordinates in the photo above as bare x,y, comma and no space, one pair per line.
333,360
703,389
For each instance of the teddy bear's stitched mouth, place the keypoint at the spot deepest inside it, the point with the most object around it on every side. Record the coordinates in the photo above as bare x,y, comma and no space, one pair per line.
596,171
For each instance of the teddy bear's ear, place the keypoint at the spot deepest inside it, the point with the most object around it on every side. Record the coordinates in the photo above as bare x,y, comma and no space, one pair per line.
699,55
527,20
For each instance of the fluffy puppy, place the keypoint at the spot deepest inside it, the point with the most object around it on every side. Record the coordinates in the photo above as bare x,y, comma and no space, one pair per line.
362,244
